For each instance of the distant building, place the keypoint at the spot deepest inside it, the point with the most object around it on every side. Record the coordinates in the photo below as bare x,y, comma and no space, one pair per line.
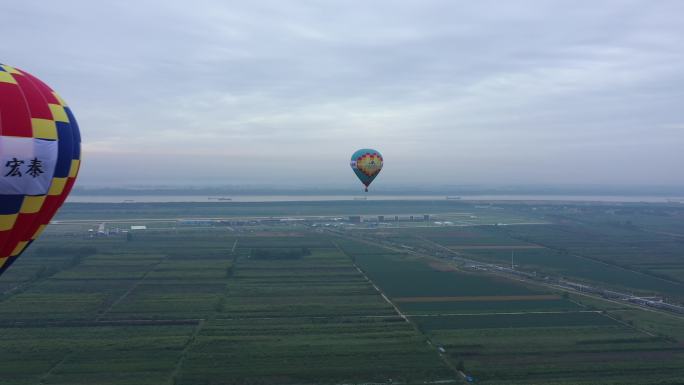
426,217
102,230
381,218
396,218
271,221
355,219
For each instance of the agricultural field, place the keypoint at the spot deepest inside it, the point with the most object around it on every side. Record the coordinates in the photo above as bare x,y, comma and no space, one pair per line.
202,307
297,304
503,332
631,258
624,259
312,319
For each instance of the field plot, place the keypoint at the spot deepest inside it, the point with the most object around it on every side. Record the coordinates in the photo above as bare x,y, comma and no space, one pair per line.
46,261
202,307
676,274
505,333
321,284
402,276
587,351
517,319
309,318
472,238
624,259
475,305
287,305
465,237
660,219
131,355
301,350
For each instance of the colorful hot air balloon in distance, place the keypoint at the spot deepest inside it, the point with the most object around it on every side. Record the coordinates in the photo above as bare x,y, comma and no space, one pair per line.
40,152
366,164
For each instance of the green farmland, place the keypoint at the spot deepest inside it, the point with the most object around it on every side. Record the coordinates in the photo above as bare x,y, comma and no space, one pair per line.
200,308
626,259
502,332
296,304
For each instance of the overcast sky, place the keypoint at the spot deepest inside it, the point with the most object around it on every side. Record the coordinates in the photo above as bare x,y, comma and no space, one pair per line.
451,92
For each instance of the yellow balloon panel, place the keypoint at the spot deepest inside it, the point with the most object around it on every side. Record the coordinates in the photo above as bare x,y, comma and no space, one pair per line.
369,164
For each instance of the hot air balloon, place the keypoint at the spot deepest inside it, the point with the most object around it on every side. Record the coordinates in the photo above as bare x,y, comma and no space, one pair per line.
40,152
366,164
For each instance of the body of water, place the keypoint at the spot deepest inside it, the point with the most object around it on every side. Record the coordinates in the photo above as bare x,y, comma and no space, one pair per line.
310,198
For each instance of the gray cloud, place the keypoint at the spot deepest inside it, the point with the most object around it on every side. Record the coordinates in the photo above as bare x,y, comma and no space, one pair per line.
276,91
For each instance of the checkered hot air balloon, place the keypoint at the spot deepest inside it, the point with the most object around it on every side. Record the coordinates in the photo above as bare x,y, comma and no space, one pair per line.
40,152
366,164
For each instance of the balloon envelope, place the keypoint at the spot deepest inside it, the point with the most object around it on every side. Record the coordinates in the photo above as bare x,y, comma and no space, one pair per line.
366,164
40,152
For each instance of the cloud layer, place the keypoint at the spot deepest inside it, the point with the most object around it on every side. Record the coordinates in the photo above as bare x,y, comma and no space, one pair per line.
171,92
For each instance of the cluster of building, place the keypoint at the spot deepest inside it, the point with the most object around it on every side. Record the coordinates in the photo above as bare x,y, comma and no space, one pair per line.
103,231
383,219
372,221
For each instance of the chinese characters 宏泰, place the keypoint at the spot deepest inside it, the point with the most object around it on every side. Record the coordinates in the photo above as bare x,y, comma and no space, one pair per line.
14,168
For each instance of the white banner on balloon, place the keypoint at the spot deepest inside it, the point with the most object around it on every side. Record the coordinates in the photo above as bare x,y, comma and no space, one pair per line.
26,165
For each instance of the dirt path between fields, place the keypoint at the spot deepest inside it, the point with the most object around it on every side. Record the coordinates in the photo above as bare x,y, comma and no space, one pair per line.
479,298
